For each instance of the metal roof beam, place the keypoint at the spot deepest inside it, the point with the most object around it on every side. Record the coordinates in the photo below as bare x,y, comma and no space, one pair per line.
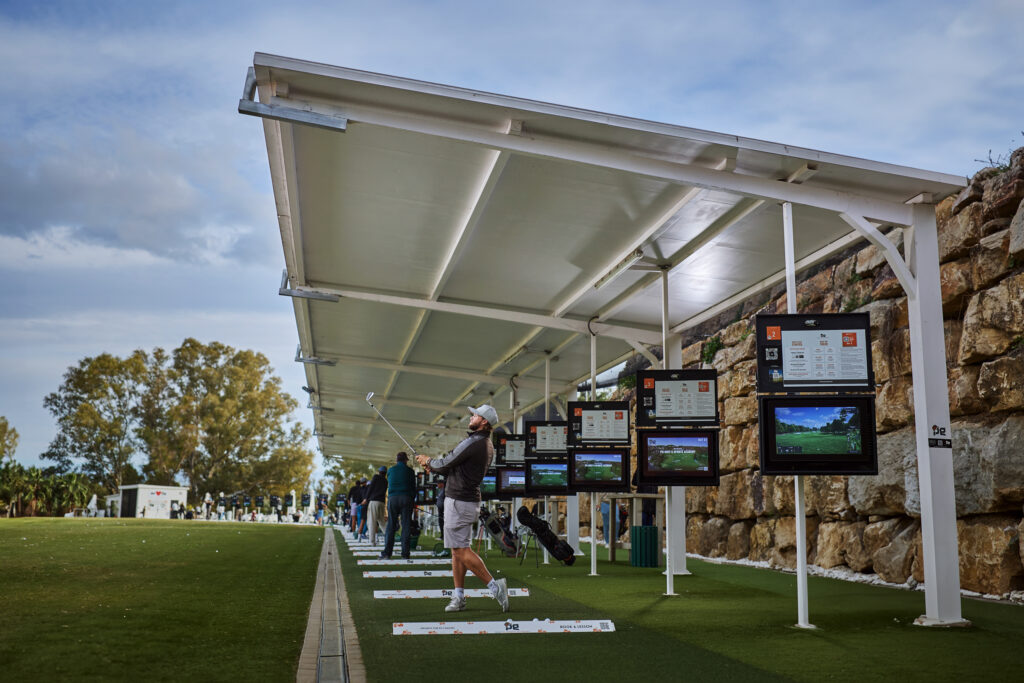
433,370
407,403
630,161
628,333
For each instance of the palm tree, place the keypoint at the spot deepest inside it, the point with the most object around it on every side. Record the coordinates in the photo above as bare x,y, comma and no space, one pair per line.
34,482
15,487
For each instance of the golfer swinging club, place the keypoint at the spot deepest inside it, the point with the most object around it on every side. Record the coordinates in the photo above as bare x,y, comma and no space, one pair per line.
464,469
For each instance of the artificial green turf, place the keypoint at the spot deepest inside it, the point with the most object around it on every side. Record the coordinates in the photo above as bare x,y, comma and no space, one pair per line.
140,599
727,623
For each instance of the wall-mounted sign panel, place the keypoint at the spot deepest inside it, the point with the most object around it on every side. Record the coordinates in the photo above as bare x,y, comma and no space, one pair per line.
667,398
814,352
596,423
546,437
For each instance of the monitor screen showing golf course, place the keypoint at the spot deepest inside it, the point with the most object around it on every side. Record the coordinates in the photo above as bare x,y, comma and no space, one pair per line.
547,477
511,481
489,486
818,435
599,471
679,458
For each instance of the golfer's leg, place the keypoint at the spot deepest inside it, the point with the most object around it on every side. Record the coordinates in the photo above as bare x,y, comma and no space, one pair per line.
472,562
458,568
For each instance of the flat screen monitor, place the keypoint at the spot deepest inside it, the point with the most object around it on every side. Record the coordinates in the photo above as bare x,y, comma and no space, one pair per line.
545,437
814,352
426,495
511,449
593,423
511,481
818,435
489,486
671,398
599,470
547,477
679,458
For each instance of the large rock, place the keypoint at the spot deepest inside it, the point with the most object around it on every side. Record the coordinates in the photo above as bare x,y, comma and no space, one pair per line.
988,467
970,194
990,260
826,497
737,332
885,285
952,330
694,525
813,290
885,493
736,496
691,354
1016,247
779,495
745,349
740,410
696,500
842,543
743,378
784,551
738,544
1001,382
993,320
871,257
892,548
895,405
730,447
762,538
1002,196
955,284
989,554
964,398
960,233
880,360
714,536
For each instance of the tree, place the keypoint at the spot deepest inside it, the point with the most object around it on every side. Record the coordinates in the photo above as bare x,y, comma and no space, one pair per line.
224,423
12,486
8,439
96,408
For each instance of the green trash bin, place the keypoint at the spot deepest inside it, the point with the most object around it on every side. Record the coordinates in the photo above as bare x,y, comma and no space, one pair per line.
643,550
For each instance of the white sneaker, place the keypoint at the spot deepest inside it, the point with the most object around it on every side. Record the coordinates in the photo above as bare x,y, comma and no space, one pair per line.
500,593
456,605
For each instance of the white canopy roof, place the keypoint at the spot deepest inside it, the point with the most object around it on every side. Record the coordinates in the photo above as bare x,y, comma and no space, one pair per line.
441,243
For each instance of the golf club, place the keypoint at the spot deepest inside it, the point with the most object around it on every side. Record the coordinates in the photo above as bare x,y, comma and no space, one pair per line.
409,445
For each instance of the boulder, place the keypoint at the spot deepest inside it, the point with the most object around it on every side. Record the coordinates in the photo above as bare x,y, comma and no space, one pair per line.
784,551
745,349
895,405
970,194
743,378
842,543
724,389
696,500
885,493
990,554
994,318
779,495
692,354
952,330
990,260
880,360
738,544
842,273
714,535
731,456
762,538
1003,195
735,496
694,525
826,497
987,465
735,333
740,410
871,257
964,398
955,283
813,290
882,315
1016,247
960,233
1001,382
892,548
885,284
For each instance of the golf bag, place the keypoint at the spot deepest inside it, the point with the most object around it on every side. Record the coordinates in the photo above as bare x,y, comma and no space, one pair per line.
505,539
559,549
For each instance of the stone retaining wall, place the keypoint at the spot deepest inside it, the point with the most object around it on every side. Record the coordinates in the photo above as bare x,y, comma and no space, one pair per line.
872,524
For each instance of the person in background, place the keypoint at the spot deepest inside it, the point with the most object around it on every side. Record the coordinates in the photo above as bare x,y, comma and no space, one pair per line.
464,469
375,494
401,494
361,512
440,509
353,499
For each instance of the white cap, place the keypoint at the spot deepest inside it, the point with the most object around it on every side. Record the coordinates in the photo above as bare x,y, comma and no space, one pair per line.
487,412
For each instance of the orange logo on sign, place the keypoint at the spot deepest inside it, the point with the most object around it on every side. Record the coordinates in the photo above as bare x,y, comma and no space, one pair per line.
533,429
618,415
703,386
578,412
773,333
648,382
503,441
849,338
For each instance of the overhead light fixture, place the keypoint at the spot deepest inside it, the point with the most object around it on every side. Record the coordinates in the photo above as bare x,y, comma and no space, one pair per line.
285,290
620,268
311,360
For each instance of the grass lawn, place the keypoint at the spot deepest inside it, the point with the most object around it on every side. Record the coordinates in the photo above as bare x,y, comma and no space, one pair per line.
728,623
127,599
813,442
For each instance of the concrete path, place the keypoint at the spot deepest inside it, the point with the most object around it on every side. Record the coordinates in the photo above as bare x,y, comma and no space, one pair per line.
330,650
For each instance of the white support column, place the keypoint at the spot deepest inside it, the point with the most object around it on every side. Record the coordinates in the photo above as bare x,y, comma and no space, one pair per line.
593,496
802,614
675,507
932,427
547,416
572,511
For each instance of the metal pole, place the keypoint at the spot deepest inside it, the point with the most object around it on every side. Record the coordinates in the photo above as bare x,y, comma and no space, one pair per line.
802,618
670,564
593,496
547,416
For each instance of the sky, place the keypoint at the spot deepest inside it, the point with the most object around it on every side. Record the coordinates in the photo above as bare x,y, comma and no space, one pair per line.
135,202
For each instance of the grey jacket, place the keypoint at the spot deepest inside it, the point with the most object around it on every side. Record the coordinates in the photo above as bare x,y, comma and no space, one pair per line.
465,466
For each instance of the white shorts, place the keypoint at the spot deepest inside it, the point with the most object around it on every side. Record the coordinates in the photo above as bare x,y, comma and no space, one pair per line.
459,516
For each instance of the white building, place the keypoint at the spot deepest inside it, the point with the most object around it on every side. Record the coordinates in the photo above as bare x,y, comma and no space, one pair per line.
146,500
